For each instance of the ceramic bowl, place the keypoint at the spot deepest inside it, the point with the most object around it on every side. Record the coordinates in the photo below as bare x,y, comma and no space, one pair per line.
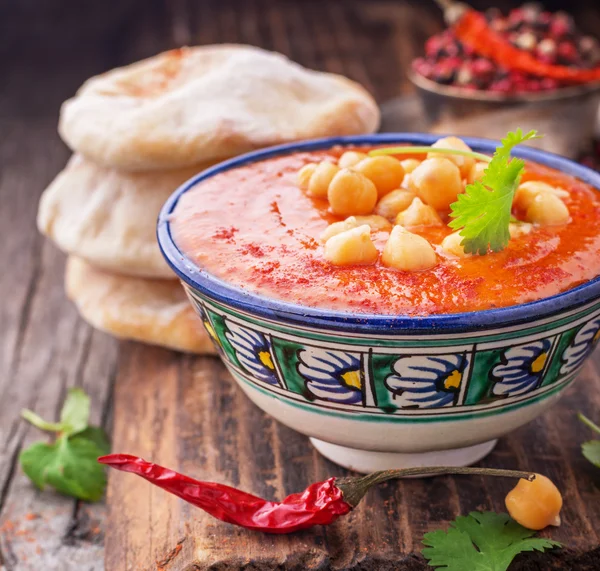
383,391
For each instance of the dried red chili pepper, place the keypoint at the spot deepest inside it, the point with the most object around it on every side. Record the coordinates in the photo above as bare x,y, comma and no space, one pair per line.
472,29
320,504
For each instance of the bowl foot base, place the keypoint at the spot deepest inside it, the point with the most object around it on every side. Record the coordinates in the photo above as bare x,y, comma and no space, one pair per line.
370,461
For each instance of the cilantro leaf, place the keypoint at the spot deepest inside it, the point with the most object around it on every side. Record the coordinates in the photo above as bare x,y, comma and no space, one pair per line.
39,422
69,464
481,542
483,211
75,413
591,449
96,435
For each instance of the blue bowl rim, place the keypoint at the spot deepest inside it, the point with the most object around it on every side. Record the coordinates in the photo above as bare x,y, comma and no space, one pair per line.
283,311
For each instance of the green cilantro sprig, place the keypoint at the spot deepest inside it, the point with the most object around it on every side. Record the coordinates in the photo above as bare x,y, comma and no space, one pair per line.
481,542
591,448
483,212
69,463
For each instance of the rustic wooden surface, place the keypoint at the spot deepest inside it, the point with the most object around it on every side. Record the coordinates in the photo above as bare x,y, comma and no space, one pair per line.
183,411
189,414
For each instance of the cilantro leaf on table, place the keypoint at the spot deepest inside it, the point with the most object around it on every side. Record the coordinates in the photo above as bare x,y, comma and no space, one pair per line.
591,449
75,413
483,211
69,464
481,542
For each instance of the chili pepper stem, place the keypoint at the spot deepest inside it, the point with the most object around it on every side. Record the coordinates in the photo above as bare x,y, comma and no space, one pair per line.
355,488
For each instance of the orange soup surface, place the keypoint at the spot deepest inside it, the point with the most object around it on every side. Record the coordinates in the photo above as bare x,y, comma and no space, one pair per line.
254,227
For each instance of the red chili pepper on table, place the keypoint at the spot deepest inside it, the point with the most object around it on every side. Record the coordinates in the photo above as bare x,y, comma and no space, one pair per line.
320,504
472,29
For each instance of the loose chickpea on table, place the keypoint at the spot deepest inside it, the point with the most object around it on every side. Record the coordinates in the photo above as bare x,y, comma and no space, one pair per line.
536,504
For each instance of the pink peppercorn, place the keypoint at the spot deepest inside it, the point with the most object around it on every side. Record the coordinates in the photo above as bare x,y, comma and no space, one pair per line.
550,38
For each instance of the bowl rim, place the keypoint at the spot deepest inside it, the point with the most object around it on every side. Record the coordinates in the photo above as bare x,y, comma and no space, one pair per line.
553,95
282,311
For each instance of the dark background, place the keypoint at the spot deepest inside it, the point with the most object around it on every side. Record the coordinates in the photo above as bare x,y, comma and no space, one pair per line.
47,48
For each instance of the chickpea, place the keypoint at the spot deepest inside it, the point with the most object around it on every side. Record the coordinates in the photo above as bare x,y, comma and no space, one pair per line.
418,214
351,247
535,505
339,227
385,172
452,245
391,204
436,182
518,229
407,251
351,193
305,174
410,165
405,182
374,222
548,210
465,164
476,172
527,192
321,178
377,223
350,158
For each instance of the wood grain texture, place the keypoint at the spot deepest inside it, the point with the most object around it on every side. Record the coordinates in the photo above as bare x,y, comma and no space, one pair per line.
187,412
44,347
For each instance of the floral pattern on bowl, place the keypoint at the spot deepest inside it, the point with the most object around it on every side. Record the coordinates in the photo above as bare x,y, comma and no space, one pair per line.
490,371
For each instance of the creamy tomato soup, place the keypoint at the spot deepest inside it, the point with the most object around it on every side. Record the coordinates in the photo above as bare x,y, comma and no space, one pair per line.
254,227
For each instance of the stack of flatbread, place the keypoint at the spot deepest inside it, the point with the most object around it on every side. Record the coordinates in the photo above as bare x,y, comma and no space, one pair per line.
139,132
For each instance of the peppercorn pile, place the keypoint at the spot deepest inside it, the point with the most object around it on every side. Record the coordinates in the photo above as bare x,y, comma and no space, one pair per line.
552,38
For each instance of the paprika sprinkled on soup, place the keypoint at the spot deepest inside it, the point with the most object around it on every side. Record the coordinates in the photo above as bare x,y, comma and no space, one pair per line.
399,244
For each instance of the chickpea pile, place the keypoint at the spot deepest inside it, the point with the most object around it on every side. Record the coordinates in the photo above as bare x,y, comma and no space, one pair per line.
374,194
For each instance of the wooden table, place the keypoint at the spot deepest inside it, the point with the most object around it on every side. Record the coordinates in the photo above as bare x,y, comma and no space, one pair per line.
46,51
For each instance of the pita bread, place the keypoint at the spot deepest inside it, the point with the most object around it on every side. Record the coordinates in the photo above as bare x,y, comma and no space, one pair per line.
152,311
109,217
205,103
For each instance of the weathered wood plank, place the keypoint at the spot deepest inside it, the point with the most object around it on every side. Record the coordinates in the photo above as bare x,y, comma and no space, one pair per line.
44,347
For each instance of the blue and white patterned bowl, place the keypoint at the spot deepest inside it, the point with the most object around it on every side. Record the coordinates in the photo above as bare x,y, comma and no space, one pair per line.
375,391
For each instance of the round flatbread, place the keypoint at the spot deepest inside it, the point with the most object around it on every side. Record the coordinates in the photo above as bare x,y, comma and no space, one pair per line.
108,217
151,311
197,104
